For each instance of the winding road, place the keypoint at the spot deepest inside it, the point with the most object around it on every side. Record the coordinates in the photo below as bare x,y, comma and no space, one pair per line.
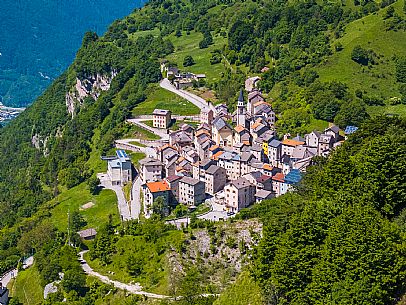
132,288
194,99
12,274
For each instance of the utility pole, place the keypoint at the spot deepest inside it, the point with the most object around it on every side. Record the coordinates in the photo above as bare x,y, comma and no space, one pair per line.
69,227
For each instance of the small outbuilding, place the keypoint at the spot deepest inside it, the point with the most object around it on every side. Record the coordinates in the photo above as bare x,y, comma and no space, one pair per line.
88,234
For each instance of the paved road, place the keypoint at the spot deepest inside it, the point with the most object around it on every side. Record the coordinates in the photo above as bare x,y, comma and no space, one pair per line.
123,207
194,99
136,202
132,288
149,151
217,213
7,277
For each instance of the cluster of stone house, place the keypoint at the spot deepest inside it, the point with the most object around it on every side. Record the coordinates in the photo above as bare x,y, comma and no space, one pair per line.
178,78
244,164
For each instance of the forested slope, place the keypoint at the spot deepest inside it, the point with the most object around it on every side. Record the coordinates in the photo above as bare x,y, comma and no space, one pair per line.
39,39
302,258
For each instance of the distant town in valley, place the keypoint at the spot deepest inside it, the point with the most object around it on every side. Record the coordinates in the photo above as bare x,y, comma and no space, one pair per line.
7,113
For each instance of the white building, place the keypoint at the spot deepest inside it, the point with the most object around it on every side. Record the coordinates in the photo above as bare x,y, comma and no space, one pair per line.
119,168
161,118
191,191
151,170
239,194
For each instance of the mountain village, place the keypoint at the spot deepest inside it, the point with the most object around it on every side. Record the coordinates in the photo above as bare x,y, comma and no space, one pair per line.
228,160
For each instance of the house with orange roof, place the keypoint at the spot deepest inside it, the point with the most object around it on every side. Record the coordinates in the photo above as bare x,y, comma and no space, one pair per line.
153,190
217,155
241,134
279,185
288,145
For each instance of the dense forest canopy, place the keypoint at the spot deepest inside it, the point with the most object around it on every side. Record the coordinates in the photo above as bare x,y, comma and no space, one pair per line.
340,238
39,39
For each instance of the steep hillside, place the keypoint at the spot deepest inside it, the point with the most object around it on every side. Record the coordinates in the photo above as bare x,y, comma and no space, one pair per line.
371,32
50,152
39,40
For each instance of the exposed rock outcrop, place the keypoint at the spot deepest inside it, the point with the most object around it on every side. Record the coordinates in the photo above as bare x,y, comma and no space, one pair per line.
91,86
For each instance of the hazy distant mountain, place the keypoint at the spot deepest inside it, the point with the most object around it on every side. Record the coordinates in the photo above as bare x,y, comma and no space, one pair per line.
39,38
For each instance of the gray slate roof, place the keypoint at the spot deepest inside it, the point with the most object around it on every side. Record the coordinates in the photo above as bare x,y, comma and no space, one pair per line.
219,123
263,194
240,183
213,169
161,112
190,181
275,143
149,161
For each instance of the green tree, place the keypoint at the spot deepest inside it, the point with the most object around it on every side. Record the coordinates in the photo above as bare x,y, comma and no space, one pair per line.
353,113
361,259
188,61
93,183
135,263
389,12
73,280
70,177
400,64
77,221
159,207
360,55
180,210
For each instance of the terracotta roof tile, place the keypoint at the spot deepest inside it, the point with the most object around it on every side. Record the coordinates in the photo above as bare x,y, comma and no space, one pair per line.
290,142
217,155
214,147
159,186
239,128
279,177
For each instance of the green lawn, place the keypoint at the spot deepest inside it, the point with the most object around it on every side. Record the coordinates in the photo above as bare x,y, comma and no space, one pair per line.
163,99
105,203
136,157
27,288
155,32
388,109
189,45
370,33
178,123
140,133
137,144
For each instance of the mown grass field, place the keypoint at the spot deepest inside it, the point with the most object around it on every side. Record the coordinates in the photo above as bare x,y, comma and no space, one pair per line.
140,133
189,45
370,33
27,288
158,98
105,203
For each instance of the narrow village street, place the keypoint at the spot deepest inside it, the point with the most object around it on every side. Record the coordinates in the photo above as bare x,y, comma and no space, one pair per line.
136,198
